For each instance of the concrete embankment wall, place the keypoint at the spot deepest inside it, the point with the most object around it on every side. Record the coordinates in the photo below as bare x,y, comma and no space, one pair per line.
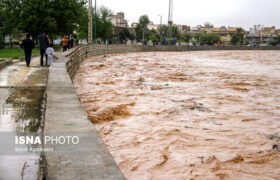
65,117
83,52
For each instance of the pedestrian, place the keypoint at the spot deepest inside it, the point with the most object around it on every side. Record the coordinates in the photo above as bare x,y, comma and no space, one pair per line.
44,43
72,43
51,54
27,44
65,43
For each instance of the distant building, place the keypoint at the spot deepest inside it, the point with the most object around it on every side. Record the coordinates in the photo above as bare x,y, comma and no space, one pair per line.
277,32
208,27
119,23
197,29
183,28
232,30
133,25
259,34
152,26
269,31
119,20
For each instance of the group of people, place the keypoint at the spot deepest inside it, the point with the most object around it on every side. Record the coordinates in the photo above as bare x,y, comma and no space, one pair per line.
67,43
46,49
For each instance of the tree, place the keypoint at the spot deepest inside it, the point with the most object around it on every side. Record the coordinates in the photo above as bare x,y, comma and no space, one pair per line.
10,15
175,31
210,38
240,33
103,23
125,34
154,38
187,38
104,28
238,38
82,29
276,41
34,16
197,36
234,39
141,27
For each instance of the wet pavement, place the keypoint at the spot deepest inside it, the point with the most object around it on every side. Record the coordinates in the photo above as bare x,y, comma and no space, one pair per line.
21,95
187,115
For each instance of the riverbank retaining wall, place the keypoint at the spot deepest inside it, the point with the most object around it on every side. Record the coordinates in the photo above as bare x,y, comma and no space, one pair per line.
77,56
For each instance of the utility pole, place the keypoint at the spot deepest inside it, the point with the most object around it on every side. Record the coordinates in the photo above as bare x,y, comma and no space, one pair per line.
95,23
170,19
160,31
90,22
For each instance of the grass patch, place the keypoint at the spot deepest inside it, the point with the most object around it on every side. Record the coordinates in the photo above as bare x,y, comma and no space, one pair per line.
14,53
2,60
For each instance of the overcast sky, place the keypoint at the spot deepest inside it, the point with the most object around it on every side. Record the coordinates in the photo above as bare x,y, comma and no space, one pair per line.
244,13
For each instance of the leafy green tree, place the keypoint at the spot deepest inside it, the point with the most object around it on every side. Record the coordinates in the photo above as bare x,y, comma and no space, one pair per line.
125,34
141,27
154,38
103,24
104,28
175,31
10,13
240,33
234,39
276,41
197,36
56,17
82,29
238,38
210,38
187,38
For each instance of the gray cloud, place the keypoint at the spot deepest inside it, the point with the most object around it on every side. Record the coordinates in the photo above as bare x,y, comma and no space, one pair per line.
244,13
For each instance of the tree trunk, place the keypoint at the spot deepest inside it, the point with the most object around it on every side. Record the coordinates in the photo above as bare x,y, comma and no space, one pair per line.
143,37
11,43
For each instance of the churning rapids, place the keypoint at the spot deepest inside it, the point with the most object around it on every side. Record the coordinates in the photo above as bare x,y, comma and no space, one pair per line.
187,115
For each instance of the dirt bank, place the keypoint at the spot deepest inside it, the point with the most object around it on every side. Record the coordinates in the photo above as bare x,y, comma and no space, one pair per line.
190,115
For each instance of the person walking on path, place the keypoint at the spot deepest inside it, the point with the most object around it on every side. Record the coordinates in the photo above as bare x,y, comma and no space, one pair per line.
27,44
65,43
50,53
44,43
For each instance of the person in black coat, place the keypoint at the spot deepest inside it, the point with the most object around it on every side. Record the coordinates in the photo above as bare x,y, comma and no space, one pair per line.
27,44
44,44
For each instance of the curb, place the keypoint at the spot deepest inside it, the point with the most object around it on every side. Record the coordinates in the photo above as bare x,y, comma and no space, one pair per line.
5,63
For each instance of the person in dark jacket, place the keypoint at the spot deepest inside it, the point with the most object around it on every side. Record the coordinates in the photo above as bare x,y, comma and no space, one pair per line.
27,44
44,44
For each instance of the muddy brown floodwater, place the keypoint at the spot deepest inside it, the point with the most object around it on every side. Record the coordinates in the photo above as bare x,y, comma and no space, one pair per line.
187,115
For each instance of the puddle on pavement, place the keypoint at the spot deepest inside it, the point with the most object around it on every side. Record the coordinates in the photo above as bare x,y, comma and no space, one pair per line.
9,72
187,115
22,113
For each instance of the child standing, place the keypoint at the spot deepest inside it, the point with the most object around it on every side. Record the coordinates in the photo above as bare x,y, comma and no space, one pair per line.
50,53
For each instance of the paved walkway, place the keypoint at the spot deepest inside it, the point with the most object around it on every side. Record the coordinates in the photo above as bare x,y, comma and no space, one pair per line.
21,95
90,159
21,92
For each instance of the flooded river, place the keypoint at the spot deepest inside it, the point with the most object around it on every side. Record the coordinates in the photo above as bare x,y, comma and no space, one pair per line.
187,115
